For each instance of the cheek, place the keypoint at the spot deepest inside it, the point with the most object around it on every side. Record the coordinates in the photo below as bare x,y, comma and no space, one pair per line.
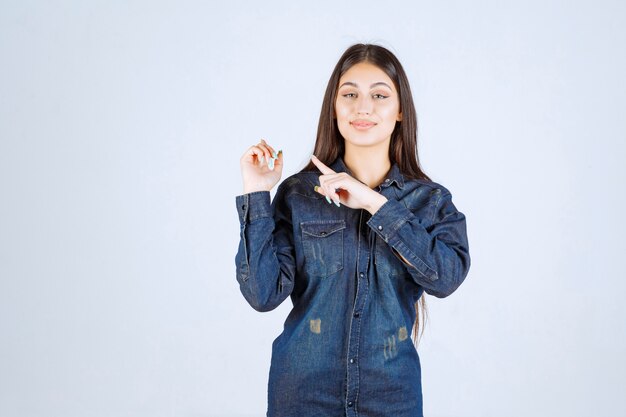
342,114
390,113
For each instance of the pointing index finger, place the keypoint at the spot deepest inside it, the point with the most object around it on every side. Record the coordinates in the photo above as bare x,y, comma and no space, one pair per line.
323,168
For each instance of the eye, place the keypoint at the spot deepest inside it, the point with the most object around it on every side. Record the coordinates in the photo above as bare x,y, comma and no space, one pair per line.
348,95
380,96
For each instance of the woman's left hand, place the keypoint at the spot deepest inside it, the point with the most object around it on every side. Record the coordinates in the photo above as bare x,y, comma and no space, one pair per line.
344,189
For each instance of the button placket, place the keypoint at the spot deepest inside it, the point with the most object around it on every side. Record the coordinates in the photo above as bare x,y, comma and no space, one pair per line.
362,289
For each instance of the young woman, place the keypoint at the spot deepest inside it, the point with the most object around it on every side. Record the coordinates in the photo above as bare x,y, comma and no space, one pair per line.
355,238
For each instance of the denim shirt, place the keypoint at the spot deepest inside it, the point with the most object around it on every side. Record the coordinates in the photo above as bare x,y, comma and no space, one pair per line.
346,346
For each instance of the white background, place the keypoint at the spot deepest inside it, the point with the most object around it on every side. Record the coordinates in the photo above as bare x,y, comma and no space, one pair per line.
121,129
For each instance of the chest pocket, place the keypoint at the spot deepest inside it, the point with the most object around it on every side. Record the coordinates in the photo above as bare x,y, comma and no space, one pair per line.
322,243
387,262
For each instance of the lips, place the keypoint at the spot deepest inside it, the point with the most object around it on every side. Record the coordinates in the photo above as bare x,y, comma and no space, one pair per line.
362,124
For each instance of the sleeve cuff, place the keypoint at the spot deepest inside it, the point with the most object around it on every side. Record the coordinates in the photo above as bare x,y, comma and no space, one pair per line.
389,218
253,206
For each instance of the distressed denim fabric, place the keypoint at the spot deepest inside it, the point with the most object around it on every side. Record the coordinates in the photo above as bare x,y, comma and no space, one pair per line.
346,347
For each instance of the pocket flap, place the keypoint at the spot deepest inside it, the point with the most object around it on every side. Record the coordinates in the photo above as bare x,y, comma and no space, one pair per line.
322,228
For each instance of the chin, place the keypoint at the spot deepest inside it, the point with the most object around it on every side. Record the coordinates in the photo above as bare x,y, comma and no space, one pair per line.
364,143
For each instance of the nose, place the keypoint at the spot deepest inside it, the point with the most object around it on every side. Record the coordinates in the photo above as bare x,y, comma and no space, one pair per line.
364,104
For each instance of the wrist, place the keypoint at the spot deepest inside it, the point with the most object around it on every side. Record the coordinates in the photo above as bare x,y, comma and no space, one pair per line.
247,190
376,204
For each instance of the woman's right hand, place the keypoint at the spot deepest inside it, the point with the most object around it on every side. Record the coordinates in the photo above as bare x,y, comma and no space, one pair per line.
256,164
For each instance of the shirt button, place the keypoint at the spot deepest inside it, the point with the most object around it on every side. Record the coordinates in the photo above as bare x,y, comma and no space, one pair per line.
361,274
356,314
387,180
351,360
243,207
349,403
380,228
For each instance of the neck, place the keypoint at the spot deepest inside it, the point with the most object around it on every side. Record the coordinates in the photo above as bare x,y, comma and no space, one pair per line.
369,167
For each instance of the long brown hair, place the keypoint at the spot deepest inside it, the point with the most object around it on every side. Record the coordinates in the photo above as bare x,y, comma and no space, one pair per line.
403,146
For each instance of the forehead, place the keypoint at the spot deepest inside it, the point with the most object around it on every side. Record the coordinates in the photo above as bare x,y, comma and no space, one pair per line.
364,74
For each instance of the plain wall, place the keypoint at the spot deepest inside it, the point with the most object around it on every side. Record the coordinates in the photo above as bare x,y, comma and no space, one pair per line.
121,129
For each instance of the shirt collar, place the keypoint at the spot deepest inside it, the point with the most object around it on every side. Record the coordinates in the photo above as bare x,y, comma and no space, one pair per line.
393,176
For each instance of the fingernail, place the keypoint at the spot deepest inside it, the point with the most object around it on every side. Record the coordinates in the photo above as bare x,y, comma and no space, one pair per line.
337,203
280,152
328,199
275,154
270,164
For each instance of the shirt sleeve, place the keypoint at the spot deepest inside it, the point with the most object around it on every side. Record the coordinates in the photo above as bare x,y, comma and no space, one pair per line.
438,254
265,260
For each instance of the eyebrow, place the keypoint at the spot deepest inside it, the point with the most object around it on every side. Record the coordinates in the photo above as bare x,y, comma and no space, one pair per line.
371,86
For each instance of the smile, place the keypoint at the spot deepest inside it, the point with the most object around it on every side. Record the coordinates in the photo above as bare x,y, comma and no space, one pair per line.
362,125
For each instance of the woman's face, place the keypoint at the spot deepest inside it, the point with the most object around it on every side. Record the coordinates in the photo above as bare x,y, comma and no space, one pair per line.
367,106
